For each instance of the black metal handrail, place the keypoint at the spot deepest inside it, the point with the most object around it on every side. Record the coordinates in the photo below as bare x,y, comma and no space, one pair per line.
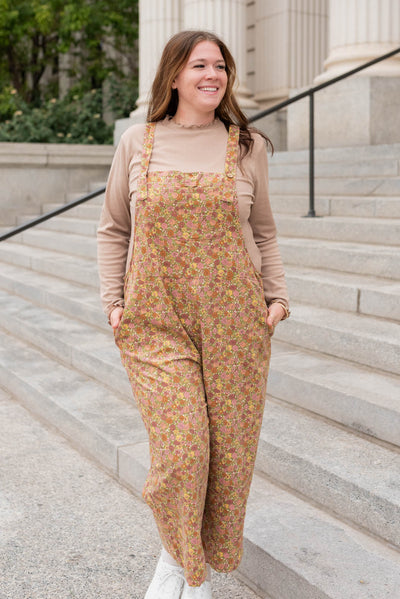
310,92
60,210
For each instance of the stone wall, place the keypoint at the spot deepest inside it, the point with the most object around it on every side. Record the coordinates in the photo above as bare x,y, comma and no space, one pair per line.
35,174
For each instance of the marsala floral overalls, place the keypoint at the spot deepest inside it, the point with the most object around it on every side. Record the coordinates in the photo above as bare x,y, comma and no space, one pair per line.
194,341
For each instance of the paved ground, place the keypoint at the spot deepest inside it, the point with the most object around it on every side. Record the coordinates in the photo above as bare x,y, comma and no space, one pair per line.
68,530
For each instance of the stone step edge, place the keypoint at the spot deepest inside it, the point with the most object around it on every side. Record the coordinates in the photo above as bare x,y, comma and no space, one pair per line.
335,218
66,349
76,363
49,298
324,202
293,271
293,459
340,244
344,278
328,154
361,339
131,469
292,381
87,362
319,318
322,550
39,397
372,230
334,409
44,261
287,244
70,304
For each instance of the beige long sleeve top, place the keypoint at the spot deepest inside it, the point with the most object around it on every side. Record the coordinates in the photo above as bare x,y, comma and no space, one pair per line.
186,149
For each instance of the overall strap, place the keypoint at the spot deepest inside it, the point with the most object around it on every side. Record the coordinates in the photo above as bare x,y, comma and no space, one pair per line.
146,155
232,151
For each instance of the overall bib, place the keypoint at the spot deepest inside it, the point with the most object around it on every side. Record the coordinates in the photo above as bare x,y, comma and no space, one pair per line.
194,341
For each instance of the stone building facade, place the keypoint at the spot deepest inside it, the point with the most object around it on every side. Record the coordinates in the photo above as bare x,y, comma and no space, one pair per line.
284,46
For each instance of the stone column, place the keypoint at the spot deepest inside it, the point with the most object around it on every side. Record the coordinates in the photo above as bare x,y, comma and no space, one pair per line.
360,30
158,21
290,45
227,19
363,109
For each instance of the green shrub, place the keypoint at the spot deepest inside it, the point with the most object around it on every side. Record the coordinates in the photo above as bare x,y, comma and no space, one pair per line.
122,95
77,118
9,102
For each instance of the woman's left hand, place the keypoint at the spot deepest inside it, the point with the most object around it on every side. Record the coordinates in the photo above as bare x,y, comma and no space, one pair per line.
275,314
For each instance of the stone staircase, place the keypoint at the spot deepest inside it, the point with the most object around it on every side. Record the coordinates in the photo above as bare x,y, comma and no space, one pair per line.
324,512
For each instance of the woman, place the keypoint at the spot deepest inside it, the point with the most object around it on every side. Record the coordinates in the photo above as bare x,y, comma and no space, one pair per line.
203,292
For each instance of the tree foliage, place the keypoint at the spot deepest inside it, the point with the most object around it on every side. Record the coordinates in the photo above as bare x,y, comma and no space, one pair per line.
97,34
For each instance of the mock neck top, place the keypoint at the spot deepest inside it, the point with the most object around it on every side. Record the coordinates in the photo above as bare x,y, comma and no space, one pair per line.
183,148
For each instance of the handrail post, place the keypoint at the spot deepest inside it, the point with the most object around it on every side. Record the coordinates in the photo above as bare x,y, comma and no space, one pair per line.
311,209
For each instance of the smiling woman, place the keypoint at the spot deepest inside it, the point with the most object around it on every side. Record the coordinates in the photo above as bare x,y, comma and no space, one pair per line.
193,285
201,85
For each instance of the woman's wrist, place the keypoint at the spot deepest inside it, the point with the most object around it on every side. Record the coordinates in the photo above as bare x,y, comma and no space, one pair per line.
118,304
286,311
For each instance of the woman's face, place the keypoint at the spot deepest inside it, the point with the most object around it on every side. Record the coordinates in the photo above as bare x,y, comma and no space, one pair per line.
201,84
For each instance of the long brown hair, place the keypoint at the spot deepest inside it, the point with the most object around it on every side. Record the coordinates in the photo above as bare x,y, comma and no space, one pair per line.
164,100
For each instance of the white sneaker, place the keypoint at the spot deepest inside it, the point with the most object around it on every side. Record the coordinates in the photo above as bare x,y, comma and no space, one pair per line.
201,592
167,582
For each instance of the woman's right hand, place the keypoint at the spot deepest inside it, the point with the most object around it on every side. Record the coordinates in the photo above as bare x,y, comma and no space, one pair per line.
115,317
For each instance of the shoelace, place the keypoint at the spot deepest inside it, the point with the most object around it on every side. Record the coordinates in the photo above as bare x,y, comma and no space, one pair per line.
177,574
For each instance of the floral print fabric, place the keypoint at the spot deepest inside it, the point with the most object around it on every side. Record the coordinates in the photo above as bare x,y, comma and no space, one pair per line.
194,341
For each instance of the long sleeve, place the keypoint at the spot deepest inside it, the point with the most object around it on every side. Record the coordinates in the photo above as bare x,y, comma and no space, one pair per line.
264,230
114,231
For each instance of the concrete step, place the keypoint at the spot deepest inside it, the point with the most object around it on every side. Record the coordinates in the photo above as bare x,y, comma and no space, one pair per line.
96,185
361,339
335,186
343,291
365,209
331,465
74,343
345,154
89,414
70,197
359,398
378,207
341,228
358,258
67,297
67,243
70,224
314,564
358,334
88,210
334,290
293,550
9,215
72,268
372,167
298,204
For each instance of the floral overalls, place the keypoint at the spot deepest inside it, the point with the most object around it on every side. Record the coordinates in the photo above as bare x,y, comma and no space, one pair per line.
194,341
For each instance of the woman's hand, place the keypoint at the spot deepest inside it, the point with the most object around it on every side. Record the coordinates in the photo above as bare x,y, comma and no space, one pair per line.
115,317
275,314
